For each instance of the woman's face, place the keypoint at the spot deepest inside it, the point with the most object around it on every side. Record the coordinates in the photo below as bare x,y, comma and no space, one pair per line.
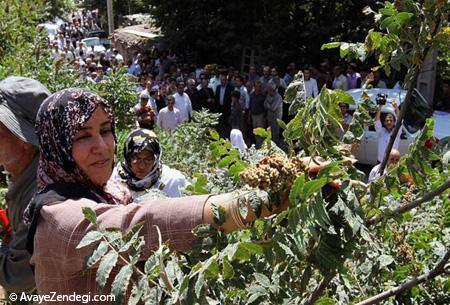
93,147
142,163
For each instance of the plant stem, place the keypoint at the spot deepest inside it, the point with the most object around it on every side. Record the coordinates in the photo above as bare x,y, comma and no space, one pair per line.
427,197
319,289
437,270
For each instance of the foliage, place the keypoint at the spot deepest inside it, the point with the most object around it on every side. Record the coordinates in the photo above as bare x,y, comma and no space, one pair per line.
227,27
186,148
61,8
19,38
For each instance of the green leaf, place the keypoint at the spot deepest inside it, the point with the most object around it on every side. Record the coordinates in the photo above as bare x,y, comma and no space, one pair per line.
313,186
90,215
282,124
255,292
261,132
215,135
403,18
227,269
387,11
90,238
96,255
106,265
343,97
199,284
251,248
296,191
325,301
138,290
134,232
385,260
286,249
226,161
219,214
236,169
330,45
120,283
344,49
262,279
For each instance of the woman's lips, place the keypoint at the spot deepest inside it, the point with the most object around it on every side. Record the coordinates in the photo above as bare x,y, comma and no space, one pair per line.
101,163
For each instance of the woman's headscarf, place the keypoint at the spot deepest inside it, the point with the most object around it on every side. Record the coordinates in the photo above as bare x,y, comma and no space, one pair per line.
237,140
61,115
139,140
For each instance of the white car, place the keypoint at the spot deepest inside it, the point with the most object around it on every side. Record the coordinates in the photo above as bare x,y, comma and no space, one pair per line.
368,151
94,41
50,28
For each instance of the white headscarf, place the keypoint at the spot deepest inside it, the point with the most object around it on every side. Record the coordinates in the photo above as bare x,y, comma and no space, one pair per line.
237,140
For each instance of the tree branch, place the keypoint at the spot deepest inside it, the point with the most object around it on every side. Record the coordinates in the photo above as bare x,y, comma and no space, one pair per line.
406,102
427,197
319,289
437,270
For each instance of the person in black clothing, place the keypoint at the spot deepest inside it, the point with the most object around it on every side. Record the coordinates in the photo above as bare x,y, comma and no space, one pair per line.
223,105
161,102
206,94
192,92
257,110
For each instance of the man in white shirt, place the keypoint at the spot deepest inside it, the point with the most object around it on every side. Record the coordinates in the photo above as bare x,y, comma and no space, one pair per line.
394,158
339,79
310,84
183,102
384,133
169,117
244,98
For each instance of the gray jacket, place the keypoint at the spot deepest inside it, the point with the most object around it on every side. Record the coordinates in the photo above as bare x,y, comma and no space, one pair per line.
16,274
274,106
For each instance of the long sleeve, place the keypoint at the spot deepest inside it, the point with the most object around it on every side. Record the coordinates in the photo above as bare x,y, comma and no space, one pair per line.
16,274
62,226
189,105
315,89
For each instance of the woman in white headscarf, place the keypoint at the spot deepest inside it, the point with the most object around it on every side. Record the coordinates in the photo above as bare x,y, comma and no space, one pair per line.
237,140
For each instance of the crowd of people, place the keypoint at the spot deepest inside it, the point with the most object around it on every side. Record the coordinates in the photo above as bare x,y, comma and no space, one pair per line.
169,90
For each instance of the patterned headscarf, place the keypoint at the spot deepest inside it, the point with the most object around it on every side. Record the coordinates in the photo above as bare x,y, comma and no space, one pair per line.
60,117
137,141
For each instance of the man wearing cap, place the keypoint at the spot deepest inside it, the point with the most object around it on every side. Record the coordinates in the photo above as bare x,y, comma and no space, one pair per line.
20,99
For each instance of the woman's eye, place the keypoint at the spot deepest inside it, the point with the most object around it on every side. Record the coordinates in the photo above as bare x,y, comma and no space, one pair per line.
81,137
106,131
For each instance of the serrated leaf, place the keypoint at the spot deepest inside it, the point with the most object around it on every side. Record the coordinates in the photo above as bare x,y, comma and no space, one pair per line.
90,215
96,255
134,238
256,204
106,265
120,284
90,238
138,290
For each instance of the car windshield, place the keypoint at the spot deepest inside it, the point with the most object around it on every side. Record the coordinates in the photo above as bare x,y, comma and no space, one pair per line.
93,41
418,111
